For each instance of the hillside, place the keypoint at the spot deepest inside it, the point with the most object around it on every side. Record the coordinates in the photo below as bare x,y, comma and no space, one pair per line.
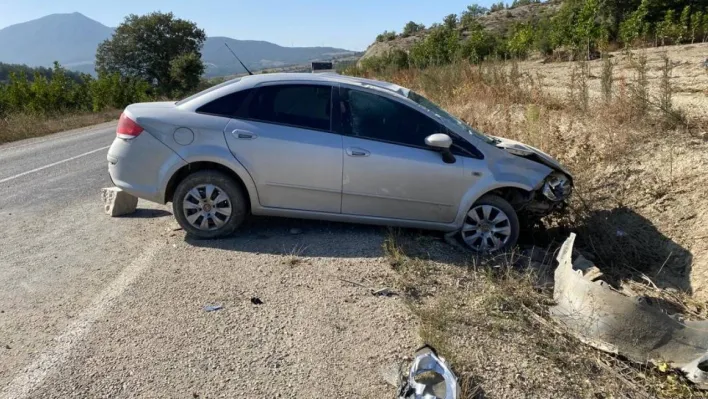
497,22
72,40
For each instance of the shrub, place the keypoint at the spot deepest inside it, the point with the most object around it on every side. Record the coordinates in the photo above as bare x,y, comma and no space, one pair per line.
412,28
440,47
61,94
386,36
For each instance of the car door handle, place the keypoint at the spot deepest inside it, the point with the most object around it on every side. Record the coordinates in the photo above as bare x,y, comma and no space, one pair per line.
357,152
244,135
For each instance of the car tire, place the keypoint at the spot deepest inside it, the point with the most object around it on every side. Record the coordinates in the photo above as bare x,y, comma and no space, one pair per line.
491,218
206,218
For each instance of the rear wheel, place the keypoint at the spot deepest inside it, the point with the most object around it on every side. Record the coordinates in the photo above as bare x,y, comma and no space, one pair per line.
491,225
209,204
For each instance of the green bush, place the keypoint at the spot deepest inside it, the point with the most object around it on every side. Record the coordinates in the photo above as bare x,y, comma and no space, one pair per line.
386,36
62,93
441,46
393,60
410,29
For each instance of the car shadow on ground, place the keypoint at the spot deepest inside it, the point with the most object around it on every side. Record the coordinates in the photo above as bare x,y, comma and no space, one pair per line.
146,213
623,244
310,238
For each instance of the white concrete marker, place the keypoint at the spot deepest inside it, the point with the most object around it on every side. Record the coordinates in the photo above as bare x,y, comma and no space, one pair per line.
53,164
34,375
117,202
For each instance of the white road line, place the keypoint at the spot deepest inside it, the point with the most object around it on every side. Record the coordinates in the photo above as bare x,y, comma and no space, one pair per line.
53,164
34,375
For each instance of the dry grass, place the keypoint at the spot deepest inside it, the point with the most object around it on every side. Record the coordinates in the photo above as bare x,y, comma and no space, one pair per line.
23,126
639,210
638,204
488,317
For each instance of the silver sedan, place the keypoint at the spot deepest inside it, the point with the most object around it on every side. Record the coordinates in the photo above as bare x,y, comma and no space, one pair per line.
331,147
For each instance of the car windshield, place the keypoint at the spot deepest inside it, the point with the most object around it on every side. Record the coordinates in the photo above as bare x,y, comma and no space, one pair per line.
442,114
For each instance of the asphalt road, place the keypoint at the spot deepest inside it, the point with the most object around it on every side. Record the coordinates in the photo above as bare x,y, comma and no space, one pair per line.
93,306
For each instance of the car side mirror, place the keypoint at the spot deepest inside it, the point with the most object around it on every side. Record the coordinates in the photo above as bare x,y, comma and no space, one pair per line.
442,142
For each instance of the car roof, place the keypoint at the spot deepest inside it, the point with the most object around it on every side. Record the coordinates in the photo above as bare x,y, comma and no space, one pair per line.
326,77
195,101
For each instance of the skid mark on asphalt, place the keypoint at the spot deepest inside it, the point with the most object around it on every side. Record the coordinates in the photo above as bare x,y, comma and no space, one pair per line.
53,164
33,375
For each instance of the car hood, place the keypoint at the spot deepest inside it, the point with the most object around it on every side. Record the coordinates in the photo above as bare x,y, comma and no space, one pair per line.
526,151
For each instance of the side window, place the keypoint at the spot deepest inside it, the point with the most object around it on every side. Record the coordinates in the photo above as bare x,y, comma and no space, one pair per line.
231,105
305,106
376,117
464,148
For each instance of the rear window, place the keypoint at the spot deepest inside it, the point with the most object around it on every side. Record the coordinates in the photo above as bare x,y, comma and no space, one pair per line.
305,106
203,92
231,105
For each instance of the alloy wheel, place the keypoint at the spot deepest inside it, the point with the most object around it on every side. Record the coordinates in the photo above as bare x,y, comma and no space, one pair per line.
207,207
486,229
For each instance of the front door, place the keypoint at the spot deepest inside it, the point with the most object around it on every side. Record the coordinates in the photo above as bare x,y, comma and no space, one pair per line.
286,143
388,171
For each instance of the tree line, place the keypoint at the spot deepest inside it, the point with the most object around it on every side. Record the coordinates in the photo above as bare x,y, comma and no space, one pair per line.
577,29
154,56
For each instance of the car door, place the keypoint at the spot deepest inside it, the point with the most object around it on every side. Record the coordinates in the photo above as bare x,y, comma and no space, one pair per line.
388,171
284,139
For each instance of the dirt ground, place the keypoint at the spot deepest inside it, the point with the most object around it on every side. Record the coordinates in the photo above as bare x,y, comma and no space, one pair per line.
689,77
662,178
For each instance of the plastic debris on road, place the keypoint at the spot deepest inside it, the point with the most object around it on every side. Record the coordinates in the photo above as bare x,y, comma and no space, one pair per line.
212,308
429,377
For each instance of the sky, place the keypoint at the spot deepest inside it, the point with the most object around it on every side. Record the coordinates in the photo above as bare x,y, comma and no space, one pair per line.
348,24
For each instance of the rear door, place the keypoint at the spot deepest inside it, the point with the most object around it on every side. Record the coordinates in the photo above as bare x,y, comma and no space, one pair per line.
388,170
284,139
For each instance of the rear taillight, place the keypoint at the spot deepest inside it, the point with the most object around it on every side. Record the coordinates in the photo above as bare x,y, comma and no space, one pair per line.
127,128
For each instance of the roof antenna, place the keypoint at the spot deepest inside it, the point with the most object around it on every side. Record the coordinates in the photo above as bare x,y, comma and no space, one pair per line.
239,60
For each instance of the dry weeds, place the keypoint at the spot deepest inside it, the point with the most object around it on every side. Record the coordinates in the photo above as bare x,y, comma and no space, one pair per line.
488,317
639,209
23,126
640,199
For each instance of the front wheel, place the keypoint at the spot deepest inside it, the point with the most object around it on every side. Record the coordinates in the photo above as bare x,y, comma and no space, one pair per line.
491,225
209,204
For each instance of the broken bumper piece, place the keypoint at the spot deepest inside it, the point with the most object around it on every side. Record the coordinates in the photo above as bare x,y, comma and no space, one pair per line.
629,326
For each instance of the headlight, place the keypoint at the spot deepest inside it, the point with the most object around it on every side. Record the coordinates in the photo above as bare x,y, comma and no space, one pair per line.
557,187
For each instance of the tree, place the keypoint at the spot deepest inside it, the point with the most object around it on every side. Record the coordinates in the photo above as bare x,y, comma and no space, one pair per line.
478,45
636,25
520,41
412,28
186,71
696,26
586,28
519,3
145,47
470,15
497,7
667,29
450,21
386,36
685,22
440,47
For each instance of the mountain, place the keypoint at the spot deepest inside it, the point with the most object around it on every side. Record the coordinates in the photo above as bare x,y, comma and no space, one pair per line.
72,40
497,22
